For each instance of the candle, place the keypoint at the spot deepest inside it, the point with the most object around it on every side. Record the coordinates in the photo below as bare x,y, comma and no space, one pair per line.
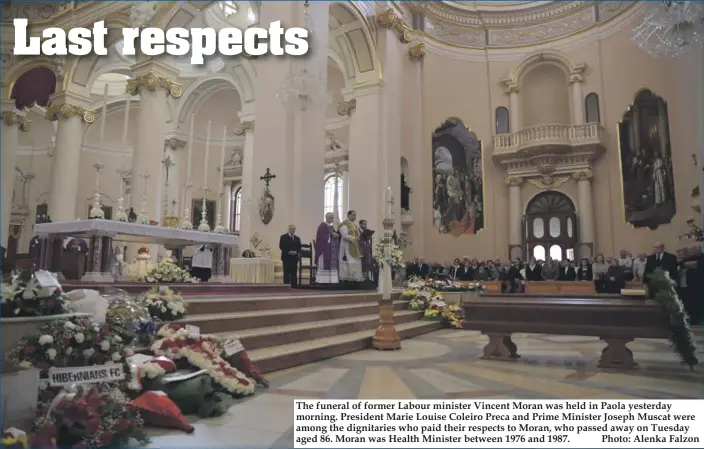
125,126
207,156
222,160
190,150
104,114
389,202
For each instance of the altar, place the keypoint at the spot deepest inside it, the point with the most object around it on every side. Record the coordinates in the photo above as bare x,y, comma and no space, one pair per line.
257,270
102,233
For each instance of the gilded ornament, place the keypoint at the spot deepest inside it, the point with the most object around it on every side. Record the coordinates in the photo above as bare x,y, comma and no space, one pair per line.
510,86
417,51
11,118
388,19
59,111
577,74
549,182
152,82
346,108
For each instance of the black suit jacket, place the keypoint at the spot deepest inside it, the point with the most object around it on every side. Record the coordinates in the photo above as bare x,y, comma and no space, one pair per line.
454,272
465,273
287,244
667,263
534,274
423,270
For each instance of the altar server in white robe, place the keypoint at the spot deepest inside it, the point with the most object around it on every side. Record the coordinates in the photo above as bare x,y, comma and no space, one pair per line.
202,264
350,251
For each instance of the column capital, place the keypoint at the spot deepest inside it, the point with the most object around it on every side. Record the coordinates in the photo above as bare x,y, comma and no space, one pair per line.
389,19
174,143
241,129
246,116
577,74
346,108
59,111
583,175
513,181
12,118
510,86
416,51
362,90
151,82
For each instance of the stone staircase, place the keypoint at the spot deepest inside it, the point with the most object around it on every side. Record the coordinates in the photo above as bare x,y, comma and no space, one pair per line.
289,330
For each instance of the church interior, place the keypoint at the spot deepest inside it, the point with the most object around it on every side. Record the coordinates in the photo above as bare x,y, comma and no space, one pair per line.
496,131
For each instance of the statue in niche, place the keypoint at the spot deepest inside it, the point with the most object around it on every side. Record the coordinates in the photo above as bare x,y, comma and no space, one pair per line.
405,193
458,185
646,162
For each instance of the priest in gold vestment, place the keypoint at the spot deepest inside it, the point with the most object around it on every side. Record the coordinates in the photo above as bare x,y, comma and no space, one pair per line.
350,251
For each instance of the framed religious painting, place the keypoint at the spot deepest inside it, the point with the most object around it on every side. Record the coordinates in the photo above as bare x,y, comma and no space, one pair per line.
458,180
647,177
197,208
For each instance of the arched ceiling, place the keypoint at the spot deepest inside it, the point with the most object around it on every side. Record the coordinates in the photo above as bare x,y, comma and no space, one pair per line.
505,24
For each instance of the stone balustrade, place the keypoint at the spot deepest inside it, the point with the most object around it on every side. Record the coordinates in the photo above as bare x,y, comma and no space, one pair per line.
549,135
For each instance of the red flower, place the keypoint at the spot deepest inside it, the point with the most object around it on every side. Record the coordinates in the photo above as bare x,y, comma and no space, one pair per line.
97,340
93,425
51,303
121,425
106,438
30,349
106,332
57,291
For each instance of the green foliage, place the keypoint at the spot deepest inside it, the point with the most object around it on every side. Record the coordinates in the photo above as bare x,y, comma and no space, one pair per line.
661,289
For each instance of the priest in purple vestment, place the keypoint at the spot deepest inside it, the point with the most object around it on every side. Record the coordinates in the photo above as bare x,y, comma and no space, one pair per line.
327,251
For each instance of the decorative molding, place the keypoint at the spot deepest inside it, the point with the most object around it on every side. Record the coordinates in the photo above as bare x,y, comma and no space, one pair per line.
577,74
548,182
12,118
389,19
346,108
174,143
65,111
513,181
583,175
510,86
152,82
416,51
241,129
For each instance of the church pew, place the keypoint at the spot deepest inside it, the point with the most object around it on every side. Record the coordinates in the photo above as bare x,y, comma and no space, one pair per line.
615,320
560,287
491,286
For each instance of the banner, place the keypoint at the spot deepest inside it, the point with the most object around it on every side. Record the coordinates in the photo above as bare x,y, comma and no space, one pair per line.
58,377
499,423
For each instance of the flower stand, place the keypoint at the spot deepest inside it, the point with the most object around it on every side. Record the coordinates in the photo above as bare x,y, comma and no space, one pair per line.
20,387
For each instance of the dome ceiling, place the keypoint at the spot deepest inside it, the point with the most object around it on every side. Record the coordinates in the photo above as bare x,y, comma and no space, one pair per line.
502,24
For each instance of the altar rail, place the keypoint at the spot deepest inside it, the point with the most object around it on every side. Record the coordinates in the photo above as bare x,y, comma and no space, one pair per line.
550,134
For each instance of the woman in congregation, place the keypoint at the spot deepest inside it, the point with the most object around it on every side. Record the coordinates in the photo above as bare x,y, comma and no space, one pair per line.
599,269
550,270
584,272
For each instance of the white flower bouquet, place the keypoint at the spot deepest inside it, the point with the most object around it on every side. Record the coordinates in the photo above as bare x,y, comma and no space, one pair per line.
24,296
168,272
165,304
387,253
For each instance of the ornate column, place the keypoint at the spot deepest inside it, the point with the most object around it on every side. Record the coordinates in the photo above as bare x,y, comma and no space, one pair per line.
13,121
227,205
576,79
345,191
153,83
515,215
71,113
173,150
586,212
514,105
418,173
249,189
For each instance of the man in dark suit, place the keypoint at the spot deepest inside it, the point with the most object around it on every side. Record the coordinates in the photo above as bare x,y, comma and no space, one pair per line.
290,246
661,259
423,269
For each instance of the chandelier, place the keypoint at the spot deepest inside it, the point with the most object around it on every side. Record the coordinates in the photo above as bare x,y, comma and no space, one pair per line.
670,28
302,86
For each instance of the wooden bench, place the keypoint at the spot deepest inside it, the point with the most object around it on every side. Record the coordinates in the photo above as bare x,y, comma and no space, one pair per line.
615,320
491,286
560,287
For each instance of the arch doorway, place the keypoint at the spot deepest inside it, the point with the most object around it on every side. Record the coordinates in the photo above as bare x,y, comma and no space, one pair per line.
551,227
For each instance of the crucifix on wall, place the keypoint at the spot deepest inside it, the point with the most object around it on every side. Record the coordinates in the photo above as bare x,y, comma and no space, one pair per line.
268,176
266,202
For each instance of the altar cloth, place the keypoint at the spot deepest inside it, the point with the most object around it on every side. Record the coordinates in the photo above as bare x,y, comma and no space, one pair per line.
252,270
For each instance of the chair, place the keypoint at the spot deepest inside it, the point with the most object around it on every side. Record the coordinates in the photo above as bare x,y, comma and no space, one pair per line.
307,251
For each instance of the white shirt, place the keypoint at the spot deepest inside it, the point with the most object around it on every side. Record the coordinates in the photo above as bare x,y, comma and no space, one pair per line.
639,268
627,262
203,257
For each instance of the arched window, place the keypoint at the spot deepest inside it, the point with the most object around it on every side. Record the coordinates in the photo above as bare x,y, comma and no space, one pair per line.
591,105
502,121
551,218
236,210
330,183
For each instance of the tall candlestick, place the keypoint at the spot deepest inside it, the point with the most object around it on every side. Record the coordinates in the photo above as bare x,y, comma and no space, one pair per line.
104,114
222,160
207,155
126,124
389,202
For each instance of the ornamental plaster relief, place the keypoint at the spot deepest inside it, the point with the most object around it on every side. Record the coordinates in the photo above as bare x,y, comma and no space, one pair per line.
538,33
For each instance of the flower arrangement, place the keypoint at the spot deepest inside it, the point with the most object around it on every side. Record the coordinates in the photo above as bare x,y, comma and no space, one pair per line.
72,342
662,289
96,417
450,314
13,438
202,351
695,232
167,271
164,304
25,297
387,253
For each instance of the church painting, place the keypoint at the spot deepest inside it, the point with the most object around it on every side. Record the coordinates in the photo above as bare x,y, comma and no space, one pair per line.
458,184
646,162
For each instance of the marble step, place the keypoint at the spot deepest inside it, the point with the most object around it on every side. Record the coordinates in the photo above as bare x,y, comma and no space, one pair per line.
232,322
293,354
264,337
278,302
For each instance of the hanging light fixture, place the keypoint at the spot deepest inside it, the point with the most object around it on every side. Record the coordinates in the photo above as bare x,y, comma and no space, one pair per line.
303,86
670,28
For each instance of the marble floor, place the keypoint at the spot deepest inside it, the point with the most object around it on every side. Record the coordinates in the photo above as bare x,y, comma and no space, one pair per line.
445,364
